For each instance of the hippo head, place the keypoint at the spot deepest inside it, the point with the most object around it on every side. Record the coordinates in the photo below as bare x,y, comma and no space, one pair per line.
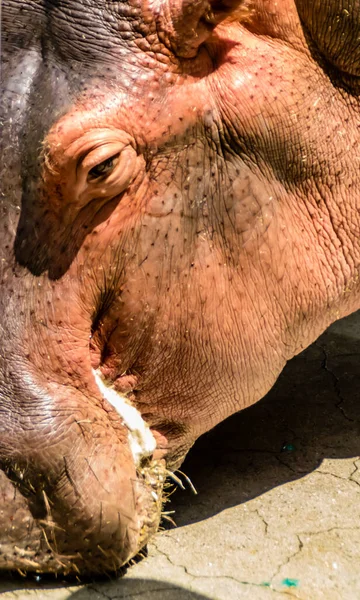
179,217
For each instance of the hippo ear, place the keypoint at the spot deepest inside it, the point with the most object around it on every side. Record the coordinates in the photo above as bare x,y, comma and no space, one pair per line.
186,24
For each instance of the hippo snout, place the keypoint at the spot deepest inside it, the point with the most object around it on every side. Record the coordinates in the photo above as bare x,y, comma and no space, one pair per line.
86,491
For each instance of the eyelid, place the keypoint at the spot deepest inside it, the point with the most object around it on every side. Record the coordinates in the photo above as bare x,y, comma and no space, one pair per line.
123,167
90,150
95,146
98,155
110,185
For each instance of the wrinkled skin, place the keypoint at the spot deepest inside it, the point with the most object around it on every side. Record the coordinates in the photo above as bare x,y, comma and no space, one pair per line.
179,211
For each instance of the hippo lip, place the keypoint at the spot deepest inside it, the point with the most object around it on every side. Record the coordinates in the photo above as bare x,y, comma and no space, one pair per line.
151,474
141,440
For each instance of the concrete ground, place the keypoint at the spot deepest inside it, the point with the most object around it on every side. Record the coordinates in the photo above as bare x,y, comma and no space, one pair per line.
278,507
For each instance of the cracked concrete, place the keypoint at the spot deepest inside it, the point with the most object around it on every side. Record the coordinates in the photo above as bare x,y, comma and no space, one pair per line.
278,507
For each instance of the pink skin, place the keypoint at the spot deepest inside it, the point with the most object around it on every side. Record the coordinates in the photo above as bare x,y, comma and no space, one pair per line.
225,237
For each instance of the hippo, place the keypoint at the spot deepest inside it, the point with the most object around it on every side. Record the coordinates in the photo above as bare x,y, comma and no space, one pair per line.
180,189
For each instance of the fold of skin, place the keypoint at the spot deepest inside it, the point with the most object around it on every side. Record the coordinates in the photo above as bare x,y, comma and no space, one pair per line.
179,215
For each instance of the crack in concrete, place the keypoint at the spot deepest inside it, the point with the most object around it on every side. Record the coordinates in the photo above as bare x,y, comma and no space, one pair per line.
287,561
271,585
356,468
227,577
302,543
321,531
349,479
163,553
336,383
295,471
266,524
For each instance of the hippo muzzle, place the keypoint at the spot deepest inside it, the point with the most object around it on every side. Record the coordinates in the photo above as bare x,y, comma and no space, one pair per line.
80,489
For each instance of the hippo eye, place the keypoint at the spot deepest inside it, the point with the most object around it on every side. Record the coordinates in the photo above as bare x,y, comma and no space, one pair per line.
103,164
104,168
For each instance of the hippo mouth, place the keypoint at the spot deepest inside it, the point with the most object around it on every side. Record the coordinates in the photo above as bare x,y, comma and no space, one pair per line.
48,543
141,441
151,474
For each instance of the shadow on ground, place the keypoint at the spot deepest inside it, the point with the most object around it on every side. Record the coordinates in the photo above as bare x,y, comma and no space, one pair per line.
148,589
312,413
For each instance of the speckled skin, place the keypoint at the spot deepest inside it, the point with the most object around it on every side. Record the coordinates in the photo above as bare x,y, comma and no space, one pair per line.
179,209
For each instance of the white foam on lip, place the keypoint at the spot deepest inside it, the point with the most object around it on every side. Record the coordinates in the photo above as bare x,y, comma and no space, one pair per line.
141,440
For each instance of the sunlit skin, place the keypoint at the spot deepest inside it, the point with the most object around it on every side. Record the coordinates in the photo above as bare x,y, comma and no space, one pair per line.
179,214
